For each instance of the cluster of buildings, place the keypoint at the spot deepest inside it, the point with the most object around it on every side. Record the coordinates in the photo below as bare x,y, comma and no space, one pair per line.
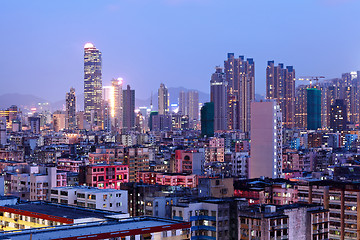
285,167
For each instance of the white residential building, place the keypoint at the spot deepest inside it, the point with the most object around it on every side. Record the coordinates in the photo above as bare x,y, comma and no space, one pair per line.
104,199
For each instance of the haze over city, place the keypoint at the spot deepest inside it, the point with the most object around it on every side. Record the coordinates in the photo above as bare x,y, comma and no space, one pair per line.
180,119
178,42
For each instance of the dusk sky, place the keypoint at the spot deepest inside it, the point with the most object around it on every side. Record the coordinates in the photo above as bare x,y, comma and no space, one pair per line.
177,42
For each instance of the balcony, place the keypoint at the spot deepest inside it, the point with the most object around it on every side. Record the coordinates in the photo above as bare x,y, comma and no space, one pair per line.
202,238
203,227
202,217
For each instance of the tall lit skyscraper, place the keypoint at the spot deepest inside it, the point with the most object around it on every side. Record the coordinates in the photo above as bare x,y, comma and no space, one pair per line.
193,107
92,85
182,103
128,109
116,103
280,85
218,95
163,100
240,76
70,117
266,140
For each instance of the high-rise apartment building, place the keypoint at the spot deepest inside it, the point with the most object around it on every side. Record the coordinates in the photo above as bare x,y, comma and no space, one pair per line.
34,123
128,109
3,134
59,120
313,108
266,140
92,85
193,107
280,85
240,76
338,115
182,102
163,100
218,95
70,118
116,103
207,119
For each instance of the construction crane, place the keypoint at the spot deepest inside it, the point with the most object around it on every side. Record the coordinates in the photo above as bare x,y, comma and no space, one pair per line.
310,79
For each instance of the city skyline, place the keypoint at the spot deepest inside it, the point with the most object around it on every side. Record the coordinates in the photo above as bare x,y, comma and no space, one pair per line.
315,30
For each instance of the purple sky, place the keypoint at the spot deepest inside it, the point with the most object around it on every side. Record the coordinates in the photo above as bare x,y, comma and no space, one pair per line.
177,42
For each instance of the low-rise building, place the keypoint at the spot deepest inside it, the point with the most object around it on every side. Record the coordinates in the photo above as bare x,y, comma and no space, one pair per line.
296,221
104,176
104,199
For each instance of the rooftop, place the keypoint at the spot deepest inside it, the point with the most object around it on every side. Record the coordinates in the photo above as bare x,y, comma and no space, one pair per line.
99,230
58,210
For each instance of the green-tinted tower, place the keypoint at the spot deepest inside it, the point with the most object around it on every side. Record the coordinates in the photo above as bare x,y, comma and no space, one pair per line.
313,108
207,119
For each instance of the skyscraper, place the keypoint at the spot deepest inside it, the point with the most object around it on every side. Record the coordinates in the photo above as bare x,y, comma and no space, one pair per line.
70,117
218,95
128,109
280,85
240,76
207,119
163,100
92,85
116,104
266,140
182,103
338,115
313,108
193,107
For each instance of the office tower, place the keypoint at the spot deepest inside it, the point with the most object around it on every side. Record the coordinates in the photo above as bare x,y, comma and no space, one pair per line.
338,115
128,109
34,123
240,76
116,103
280,85
182,103
59,119
266,140
92,85
163,100
193,108
218,95
313,108
3,136
70,121
207,120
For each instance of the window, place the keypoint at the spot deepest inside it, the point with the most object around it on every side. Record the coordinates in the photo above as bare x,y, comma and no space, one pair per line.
94,178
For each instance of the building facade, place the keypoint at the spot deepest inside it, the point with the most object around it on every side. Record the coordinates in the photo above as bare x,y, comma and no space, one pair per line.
92,85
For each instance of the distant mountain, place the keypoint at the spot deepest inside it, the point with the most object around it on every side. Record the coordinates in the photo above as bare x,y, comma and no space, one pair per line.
59,105
21,100
174,96
27,101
